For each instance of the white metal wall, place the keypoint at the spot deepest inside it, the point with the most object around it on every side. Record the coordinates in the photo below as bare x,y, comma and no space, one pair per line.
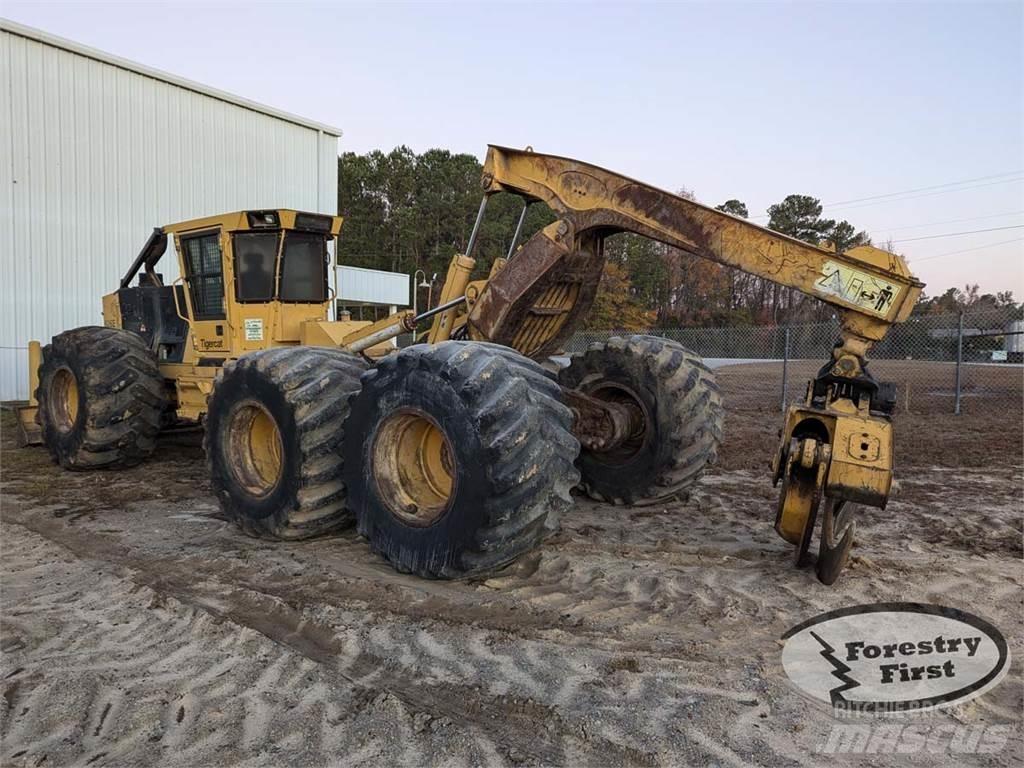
372,286
94,155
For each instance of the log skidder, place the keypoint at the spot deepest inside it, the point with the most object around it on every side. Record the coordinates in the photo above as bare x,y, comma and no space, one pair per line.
458,455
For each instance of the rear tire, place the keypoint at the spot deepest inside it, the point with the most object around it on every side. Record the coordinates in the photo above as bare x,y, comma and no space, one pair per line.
683,417
275,424
458,458
100,398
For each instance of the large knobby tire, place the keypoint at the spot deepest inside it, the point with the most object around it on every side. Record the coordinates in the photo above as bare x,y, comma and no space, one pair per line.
458,458
683,417
274,429
101,397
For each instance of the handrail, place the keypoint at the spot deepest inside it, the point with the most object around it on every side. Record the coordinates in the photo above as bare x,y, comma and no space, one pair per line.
177,306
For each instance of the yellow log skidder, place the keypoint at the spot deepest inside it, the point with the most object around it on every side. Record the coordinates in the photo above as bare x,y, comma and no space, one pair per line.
457,454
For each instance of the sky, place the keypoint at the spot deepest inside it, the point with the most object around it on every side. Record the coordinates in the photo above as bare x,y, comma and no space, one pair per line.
907,119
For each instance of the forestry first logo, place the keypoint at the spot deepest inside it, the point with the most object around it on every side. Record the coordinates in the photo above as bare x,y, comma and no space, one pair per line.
894,657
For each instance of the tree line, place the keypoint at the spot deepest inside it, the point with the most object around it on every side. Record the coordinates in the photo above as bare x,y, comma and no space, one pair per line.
406,211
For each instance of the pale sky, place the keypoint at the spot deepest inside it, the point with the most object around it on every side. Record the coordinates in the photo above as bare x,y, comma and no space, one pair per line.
842,101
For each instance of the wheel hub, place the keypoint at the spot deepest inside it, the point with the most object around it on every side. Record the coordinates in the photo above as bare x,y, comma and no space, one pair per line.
254,448
64,399
609,419
413,465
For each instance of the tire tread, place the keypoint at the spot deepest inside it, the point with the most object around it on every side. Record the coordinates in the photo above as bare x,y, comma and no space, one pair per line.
694,431
317,383
530,480
123,392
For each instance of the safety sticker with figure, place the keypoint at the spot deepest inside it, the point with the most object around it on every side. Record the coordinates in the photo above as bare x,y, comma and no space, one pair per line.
859,288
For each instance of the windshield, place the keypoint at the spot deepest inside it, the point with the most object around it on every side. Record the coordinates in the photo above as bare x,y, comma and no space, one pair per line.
255,257
304,267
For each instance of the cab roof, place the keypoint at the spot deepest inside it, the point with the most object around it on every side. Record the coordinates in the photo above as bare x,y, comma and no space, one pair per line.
260,219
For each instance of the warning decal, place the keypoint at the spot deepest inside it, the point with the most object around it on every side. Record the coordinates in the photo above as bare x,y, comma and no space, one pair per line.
865,291
254,329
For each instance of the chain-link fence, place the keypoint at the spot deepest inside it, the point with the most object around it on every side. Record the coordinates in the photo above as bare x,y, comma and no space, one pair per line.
941,364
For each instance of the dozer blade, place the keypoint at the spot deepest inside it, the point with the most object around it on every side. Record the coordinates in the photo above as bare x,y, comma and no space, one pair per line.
28,432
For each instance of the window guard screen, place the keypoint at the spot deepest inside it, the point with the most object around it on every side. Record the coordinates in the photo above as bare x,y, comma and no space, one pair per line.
206,284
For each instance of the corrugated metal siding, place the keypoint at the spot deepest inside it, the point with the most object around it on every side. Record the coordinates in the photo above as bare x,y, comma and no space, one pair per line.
373,286
96,156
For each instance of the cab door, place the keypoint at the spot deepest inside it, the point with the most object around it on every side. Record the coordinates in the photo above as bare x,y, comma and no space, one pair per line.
202,258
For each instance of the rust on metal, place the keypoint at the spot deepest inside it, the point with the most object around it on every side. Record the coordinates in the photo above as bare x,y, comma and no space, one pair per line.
537,301
594,199
539,297
601,425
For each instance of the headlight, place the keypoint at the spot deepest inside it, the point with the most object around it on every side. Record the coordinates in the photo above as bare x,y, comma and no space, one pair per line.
263,219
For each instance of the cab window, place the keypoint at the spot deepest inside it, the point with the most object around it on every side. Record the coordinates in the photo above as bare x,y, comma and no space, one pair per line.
255,259
205,279
304,267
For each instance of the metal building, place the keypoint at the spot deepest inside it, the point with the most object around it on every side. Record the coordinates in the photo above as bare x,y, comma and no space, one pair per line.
358,286
96,151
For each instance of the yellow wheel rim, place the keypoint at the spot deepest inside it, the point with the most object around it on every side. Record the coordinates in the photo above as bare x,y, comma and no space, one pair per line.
412,464
64,399
254,448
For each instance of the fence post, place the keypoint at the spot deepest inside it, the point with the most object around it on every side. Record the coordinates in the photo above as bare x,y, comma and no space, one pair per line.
785,367
959,360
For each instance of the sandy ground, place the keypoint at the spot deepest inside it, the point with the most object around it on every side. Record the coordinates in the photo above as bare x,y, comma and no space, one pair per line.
138,628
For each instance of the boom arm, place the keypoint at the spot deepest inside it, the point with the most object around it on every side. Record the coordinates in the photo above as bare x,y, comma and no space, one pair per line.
871,288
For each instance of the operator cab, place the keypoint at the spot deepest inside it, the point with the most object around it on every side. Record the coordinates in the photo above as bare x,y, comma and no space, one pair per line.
248,280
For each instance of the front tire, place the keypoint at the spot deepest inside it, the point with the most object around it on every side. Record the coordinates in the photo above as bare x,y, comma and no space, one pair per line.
100,398
274,428
683,417
458,458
